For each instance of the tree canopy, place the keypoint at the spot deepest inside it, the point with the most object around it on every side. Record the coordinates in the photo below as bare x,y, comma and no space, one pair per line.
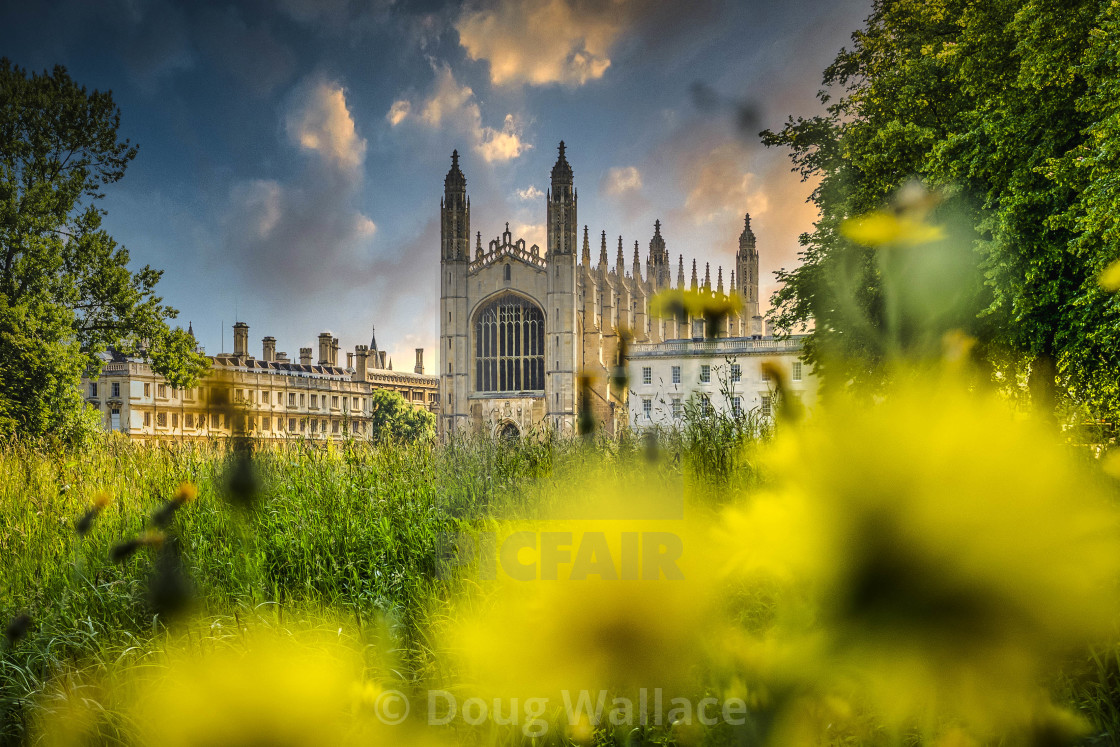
1010,109
392,418
66,291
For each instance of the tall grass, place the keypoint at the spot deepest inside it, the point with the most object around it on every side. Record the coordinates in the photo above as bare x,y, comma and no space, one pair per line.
352,532
357,529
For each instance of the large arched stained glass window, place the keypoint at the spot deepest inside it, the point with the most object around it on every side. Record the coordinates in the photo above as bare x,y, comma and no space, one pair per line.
509,346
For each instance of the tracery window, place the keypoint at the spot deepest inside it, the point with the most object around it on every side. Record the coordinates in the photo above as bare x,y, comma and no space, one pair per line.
509,346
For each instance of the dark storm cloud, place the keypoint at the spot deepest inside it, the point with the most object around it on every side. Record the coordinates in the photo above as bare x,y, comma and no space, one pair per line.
248,52
155,41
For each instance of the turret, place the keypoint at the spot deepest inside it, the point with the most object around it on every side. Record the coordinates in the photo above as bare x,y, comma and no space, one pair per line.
746,262
562,208
563,358
659,258
455,214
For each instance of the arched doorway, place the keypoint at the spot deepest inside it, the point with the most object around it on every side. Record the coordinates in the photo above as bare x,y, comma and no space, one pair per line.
508,431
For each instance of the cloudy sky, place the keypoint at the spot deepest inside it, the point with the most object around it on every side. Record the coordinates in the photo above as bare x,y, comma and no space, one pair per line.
292,152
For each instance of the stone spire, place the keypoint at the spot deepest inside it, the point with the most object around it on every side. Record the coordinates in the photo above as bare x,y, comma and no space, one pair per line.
707,277
659,258
562,171
620,261
719,280
373,338
603,252
478,246
732,288
680,272
747,237
637,263
586,249
455,215
746,261
694,283
563,228
454,179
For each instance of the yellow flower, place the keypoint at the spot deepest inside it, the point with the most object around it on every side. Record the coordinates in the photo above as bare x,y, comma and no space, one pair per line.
1110,278
186,493
678,302
293,688
950,554
101,499
887,228
586,605
956,346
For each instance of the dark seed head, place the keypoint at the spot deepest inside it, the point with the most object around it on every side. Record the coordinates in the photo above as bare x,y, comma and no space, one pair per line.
17,628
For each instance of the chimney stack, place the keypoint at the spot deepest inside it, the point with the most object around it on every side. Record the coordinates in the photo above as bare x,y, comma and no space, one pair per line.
325,348
334,351
282,358
305,356
269,349
361,357
241,340
419,361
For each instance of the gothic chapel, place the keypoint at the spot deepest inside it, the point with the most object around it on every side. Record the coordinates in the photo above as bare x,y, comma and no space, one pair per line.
517,325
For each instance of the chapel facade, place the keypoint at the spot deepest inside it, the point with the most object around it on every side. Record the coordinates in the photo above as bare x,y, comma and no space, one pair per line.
519,325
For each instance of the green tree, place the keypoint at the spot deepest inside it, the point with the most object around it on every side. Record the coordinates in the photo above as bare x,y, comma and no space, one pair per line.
394,419
1007,106
66,292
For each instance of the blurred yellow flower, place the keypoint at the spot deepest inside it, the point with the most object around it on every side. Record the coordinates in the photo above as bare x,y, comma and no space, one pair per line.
889,228
678,302
1110,278
101,499
625,607
952,552
956,346
186,493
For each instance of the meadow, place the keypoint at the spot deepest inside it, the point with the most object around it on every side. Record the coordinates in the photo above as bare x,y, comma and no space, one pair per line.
934,569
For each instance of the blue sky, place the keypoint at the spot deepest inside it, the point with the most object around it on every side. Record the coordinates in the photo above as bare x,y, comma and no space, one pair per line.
292,153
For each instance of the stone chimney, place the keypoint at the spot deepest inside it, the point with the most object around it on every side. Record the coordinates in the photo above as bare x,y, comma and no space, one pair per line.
305,356
325,348
268,352
419,361
334,351
281,357
361,358
241,340
384,357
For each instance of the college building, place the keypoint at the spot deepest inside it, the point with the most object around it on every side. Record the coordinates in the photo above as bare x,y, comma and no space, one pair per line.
519,324
270,397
